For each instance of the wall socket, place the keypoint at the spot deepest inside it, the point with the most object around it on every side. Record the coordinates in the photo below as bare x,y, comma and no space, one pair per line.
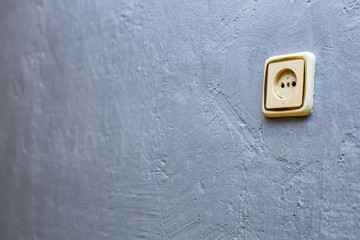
289,85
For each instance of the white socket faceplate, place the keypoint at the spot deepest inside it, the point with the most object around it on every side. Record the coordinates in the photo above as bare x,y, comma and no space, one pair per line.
289,85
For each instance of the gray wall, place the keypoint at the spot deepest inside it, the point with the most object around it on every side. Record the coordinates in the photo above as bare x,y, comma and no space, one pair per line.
142,120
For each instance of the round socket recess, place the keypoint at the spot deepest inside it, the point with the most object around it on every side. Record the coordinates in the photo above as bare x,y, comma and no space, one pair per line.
285,84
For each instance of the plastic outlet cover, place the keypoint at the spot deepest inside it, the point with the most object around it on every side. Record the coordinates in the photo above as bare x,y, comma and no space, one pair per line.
289,85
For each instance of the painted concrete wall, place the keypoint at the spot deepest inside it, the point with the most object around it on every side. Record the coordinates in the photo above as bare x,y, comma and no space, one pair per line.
142,120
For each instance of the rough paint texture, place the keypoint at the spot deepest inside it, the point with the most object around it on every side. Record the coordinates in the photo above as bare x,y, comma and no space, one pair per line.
142,120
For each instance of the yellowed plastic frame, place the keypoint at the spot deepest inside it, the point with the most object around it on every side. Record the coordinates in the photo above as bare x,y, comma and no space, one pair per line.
308,86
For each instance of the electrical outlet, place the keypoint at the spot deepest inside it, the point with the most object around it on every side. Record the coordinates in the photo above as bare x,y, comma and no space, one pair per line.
289,85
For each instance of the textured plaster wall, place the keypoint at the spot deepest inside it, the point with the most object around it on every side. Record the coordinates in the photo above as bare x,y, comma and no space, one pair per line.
142,120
